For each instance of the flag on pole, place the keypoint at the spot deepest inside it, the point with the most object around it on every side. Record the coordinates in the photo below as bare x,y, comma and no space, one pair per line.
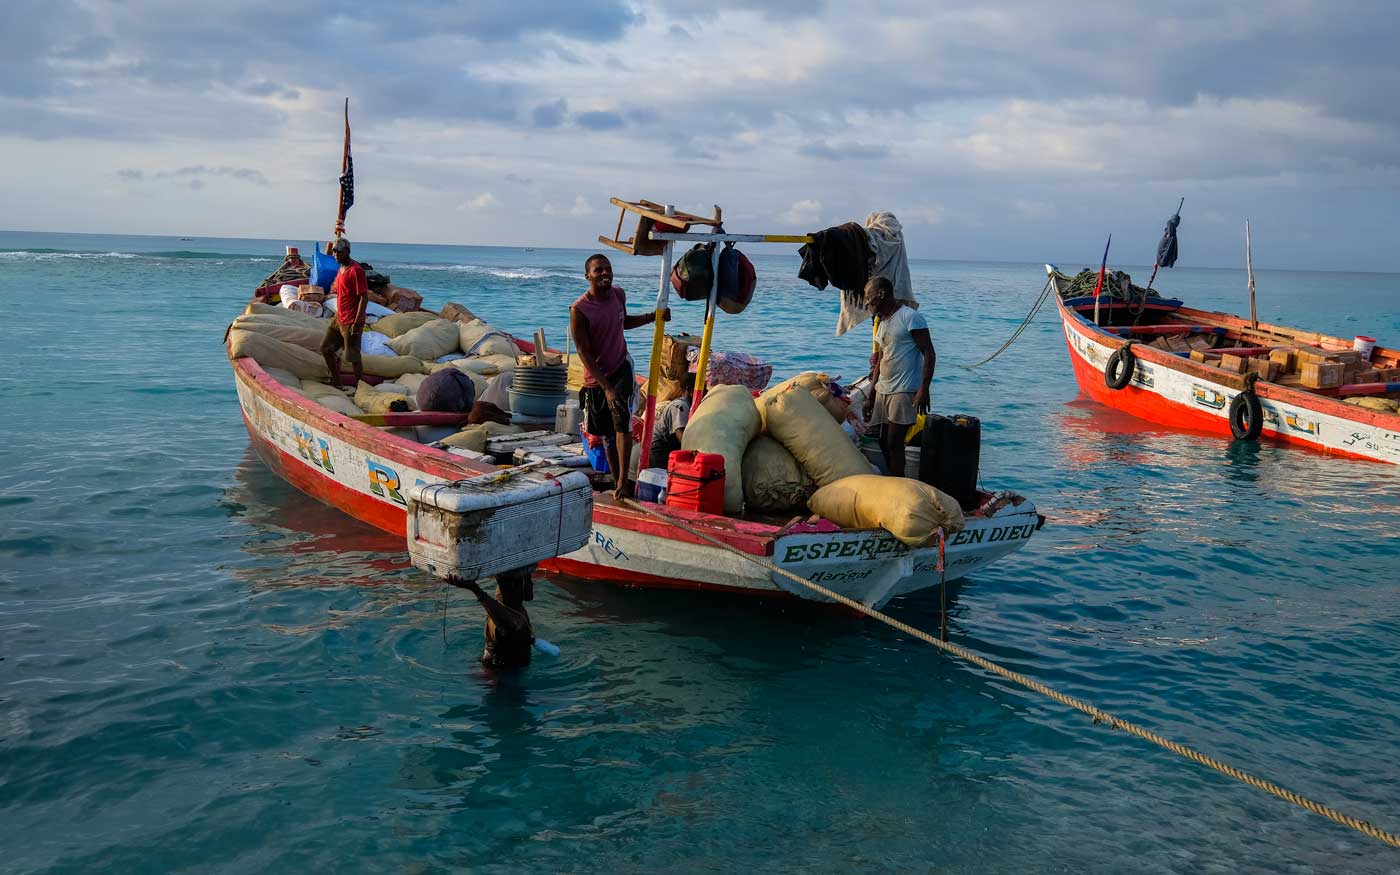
1167,248
347,178
1103,267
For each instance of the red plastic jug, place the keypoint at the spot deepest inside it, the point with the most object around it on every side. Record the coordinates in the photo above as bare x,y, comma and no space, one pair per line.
695,481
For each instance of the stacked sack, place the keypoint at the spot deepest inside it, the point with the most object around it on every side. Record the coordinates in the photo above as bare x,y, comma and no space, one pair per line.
804,458
414,343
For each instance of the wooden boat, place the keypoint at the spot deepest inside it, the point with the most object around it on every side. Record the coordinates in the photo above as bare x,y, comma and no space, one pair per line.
368,473
1169,387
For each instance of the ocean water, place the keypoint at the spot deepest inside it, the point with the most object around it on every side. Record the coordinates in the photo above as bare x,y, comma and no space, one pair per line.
203,670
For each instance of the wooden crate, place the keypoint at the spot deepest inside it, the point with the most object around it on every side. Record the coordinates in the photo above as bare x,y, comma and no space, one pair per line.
1286,358
1267,370
1322,375
1233,363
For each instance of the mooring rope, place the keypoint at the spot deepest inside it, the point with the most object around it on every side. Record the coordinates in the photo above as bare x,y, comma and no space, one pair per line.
1025,323
1099,716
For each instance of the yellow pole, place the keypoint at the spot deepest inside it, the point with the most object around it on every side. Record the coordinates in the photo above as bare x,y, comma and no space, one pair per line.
710,309
658,336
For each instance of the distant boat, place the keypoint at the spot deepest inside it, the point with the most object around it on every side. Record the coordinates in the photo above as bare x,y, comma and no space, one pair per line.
186,239
529,249
1183,370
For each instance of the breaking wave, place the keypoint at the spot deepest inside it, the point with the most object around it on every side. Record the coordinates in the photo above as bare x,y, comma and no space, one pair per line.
505,273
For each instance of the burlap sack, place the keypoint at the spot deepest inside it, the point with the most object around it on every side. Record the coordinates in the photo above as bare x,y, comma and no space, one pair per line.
400,323
273,353
371,400
801,424
724,423
428,341
302,334
814,383
911,510
773,481
457,313
479,339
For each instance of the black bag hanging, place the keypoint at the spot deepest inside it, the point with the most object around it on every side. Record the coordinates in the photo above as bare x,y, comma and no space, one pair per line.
736,280
694,273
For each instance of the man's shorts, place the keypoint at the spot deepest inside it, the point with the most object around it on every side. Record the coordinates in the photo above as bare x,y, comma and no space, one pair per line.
339,337
896,409
602,419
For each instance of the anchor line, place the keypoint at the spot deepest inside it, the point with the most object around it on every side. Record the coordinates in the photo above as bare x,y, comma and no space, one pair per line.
1025,323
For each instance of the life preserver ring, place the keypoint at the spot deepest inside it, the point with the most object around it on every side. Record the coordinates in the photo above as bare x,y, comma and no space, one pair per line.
1246,415
1121,367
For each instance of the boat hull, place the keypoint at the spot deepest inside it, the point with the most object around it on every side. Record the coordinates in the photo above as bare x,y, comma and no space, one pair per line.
366,473
1176,392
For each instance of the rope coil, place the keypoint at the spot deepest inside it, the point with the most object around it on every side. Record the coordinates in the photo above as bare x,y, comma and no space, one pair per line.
1098,715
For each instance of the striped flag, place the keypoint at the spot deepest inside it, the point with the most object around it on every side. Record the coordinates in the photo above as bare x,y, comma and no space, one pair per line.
1103,267
347,171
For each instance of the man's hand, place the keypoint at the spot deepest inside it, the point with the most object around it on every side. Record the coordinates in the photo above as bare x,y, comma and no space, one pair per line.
921,400
869,406
666,315
611,394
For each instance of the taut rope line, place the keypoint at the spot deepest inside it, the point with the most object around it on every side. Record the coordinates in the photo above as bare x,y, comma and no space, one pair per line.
1097,714
1030,317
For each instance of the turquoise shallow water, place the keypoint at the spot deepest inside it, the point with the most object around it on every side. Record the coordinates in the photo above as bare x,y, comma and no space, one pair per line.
203,670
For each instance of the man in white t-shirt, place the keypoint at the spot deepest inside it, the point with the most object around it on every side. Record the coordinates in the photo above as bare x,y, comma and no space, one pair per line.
900,370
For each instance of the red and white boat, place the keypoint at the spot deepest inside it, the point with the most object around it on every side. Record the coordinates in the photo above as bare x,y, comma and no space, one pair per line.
1170,388
367,473
370,473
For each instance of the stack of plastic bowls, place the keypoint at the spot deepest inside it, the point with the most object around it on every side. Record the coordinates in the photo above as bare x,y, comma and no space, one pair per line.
537,391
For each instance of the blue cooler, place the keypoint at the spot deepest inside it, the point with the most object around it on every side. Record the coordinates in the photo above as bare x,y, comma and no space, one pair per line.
651,485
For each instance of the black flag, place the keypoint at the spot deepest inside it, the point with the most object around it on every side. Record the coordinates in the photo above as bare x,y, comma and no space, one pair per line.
1166,250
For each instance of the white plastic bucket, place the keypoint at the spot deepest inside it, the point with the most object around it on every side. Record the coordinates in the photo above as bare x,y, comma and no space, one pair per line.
1364,345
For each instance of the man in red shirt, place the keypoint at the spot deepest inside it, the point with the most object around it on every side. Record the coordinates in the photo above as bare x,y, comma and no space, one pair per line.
351,297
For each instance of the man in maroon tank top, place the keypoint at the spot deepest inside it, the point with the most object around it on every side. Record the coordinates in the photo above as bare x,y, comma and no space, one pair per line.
596,321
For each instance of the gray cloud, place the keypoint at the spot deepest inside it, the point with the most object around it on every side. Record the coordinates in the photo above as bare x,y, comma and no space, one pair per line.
550,115
844,151
600,120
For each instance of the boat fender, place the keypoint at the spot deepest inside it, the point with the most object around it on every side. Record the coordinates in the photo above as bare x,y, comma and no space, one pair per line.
1121,367
546,648
1246,414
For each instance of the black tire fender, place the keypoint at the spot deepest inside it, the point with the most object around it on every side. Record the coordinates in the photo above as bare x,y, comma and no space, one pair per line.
1121,367
1246,415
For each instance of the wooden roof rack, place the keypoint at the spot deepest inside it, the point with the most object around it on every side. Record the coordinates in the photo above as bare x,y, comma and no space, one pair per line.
652,215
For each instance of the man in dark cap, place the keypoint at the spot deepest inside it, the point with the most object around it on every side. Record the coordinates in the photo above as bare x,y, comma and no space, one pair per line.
351,298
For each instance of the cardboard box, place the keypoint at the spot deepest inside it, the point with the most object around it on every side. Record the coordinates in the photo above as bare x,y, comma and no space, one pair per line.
673,352
1233,363
311,293
1176,343
1201,341
457,313
1322,375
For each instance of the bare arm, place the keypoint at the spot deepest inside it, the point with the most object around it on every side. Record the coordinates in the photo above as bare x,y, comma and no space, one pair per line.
630,322
924,343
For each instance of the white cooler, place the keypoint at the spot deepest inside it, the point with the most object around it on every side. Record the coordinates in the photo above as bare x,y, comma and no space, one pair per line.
476,528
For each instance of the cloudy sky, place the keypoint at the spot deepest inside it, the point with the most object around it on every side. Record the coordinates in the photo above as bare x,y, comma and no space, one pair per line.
1005,130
